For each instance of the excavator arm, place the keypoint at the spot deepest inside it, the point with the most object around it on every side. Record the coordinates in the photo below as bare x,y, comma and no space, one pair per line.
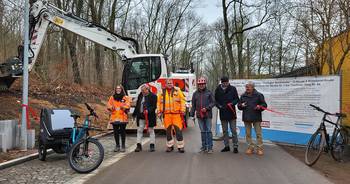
42,14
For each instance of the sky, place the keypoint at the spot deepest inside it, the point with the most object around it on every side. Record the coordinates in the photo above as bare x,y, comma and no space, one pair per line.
210,10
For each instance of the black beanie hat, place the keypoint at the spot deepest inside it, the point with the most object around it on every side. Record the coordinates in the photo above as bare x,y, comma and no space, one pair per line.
224,79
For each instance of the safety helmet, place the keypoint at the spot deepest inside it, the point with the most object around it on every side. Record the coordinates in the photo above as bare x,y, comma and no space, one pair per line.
201,80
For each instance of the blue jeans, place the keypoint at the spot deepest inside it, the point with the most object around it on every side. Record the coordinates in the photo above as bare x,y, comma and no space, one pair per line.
206,134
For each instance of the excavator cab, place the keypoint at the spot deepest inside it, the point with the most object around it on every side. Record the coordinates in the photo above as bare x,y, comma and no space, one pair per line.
143,69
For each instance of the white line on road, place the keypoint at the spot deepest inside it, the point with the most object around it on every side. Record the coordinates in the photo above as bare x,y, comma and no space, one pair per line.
83,178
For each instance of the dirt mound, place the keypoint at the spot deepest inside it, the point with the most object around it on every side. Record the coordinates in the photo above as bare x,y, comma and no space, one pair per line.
59,94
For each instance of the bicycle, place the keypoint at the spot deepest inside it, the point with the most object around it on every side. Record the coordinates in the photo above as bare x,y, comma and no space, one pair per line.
84,152
320,140
81,154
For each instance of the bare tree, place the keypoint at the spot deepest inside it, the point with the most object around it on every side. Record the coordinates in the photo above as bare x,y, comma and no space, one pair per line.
241,24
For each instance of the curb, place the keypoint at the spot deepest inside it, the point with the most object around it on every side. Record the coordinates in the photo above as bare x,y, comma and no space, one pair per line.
35,155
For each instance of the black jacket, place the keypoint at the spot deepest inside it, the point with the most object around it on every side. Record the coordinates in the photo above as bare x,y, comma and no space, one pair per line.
202,99
151,106
224,97
250,114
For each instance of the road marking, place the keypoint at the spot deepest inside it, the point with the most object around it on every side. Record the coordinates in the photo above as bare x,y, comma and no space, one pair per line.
83,178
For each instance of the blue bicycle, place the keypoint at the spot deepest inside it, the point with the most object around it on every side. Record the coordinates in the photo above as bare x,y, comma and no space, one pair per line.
59,130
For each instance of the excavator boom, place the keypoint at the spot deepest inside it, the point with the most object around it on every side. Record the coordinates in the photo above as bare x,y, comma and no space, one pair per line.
42,14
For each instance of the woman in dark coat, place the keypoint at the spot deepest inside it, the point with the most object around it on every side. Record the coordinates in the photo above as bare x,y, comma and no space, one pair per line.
145,114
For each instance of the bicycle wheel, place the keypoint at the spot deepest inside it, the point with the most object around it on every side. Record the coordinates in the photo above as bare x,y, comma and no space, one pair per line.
315,147
339,141
86,155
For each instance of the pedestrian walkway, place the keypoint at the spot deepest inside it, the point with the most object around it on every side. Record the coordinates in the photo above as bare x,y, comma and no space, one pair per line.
276,166
55,169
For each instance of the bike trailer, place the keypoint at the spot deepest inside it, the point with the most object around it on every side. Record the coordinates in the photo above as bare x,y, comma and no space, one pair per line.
56,127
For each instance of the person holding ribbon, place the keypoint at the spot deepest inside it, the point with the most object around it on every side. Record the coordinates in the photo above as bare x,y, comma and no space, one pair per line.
118,105
252,103
145,114
202,104
226,98
171,108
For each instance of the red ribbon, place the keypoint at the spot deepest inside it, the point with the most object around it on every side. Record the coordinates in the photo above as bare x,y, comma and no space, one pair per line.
270,110
32,112
145,112
231,108
183,121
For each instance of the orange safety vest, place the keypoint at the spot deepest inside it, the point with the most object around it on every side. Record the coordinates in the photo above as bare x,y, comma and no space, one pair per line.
174,103
118,113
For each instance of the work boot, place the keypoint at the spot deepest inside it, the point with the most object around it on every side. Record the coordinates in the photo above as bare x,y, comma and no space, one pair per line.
138,147
260,152
226,149
181,150
249,151
235,150
151,148
117,149
169,149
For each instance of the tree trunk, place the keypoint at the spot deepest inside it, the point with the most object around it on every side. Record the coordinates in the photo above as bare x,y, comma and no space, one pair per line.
248,59
228,41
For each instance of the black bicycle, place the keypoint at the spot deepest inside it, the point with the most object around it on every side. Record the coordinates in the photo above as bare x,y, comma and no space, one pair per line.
321,142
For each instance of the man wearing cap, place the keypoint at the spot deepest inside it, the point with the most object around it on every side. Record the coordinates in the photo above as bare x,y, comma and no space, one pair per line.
226,98
171,107
202,104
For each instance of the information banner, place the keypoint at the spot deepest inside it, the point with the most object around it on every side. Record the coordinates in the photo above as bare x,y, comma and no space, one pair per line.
290,119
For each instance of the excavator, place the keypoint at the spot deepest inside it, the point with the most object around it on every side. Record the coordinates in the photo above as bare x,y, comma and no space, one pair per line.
138,69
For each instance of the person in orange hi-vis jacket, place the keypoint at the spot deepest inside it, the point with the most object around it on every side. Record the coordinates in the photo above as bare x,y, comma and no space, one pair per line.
171,107
119,105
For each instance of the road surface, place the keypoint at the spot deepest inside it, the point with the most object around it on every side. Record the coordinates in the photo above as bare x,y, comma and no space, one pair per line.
275,167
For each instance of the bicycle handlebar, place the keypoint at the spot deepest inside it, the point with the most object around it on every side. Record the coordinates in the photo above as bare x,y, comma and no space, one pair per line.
92,111
340,115
319,109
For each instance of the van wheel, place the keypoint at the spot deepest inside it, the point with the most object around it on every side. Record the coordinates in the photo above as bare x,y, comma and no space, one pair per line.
42,151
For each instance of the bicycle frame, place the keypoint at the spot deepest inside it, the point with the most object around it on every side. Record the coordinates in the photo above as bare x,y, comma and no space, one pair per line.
79,133
323,127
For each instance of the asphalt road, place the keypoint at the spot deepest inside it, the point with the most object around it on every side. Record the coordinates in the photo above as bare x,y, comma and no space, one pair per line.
275,167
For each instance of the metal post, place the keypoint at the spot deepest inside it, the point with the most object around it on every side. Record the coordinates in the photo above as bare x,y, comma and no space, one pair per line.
25,77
